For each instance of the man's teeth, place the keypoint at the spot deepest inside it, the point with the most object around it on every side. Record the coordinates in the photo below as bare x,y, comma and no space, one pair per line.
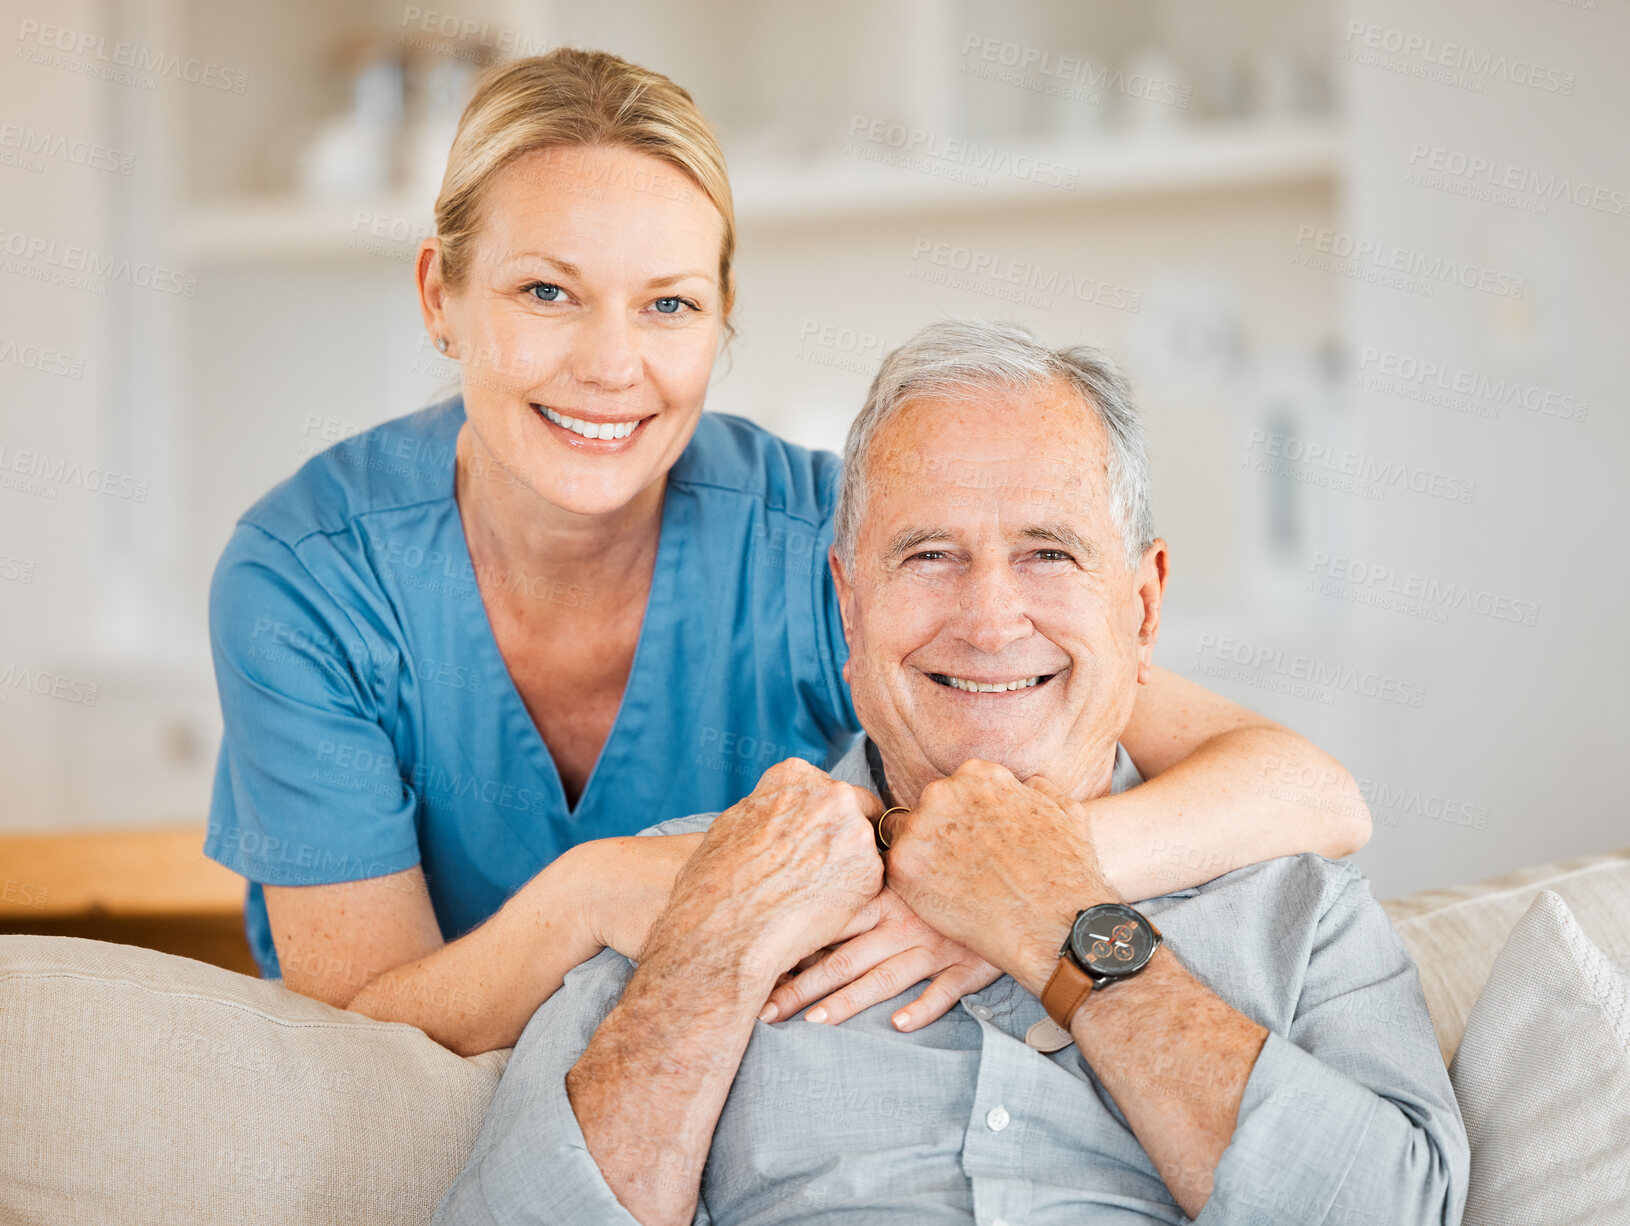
591,429
992,687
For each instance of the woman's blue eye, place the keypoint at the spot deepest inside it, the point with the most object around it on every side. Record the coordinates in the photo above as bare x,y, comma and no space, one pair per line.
669,306
546,293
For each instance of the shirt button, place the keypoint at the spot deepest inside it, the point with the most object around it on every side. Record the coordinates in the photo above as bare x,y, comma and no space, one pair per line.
982,1012
997,1119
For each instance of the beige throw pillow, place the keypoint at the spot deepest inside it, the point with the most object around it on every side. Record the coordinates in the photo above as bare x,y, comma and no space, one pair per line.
138,1087
1543,1080
1454,932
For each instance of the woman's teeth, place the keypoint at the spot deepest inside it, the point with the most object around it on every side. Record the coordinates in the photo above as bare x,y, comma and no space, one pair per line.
591,429
986,687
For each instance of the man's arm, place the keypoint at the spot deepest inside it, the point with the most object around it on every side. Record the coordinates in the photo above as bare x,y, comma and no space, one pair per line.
1350,1116
529,1166
778,876
648,1091
1146,1039
1344,1084
622,1134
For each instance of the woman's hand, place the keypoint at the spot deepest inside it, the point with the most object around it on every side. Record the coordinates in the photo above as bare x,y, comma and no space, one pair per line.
626,883
893,950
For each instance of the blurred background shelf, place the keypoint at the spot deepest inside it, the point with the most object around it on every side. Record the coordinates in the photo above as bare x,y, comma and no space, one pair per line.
836,189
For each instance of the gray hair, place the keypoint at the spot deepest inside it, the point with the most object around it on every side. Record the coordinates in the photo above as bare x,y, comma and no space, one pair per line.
955,357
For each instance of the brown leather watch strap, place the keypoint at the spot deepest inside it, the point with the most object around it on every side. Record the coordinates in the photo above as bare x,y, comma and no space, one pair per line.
1067,990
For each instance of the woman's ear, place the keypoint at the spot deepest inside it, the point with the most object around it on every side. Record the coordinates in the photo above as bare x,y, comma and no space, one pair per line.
433,294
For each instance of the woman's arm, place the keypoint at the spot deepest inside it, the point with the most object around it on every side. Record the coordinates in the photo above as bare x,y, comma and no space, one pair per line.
374,947
1224,787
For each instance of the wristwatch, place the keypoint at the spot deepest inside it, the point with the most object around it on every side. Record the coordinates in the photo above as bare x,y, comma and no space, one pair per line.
1107,943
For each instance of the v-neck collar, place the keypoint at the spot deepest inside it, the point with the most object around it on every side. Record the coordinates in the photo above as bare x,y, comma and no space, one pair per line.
634,707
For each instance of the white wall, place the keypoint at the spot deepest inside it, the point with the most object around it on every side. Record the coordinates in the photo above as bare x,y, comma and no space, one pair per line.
1529,722
211,398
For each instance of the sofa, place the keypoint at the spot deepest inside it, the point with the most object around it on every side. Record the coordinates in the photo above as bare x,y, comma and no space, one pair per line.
139,1087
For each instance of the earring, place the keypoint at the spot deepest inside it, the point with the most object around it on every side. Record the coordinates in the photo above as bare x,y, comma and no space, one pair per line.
441,344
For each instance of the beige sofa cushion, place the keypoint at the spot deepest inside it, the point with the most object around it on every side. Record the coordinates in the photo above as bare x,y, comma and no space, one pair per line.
138,1087
1543,1080
1455,933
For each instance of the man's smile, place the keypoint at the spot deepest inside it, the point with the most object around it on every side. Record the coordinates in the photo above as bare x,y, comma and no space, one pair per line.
970,685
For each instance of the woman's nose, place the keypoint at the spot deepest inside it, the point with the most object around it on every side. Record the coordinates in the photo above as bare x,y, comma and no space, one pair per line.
606,356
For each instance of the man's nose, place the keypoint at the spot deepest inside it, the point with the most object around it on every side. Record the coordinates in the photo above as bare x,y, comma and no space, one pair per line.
992,611
606,354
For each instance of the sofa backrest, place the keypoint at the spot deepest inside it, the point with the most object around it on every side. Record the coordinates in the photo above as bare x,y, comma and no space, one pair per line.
137,1086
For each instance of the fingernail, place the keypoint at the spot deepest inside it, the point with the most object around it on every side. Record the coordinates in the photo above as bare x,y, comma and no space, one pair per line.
817,1014
901,1020
767,1013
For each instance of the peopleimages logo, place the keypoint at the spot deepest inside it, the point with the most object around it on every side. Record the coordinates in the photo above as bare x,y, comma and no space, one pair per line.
126,63
1364,582
1315,463
1325,677
969,161
1403,262
1422,56
999,276
1494,173
37,472
1062,76
30,143
84,268
1464,391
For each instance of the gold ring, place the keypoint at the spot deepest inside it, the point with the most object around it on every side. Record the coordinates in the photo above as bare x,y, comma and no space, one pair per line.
883,843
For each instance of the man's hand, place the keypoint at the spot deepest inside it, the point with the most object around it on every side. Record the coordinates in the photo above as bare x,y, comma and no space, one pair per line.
998,866
783,871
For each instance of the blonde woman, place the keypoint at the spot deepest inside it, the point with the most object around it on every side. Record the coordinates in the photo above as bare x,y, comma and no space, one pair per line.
462,656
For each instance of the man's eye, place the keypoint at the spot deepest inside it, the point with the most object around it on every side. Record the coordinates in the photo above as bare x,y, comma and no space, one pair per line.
928,555
1052,555
672,306
544,292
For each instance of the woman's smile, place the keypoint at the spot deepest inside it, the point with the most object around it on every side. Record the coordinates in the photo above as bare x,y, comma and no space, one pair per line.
594,434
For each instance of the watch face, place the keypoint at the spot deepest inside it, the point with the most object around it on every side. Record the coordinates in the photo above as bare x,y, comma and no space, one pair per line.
1110,939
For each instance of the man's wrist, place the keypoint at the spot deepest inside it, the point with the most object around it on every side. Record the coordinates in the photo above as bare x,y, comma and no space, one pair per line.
727,955
1037,958
1111,1003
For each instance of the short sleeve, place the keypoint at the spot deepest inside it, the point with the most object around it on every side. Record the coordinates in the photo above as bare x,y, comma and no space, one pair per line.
830,648
308,788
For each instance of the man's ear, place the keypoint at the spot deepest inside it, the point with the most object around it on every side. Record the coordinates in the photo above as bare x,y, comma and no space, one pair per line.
1151,581
846,593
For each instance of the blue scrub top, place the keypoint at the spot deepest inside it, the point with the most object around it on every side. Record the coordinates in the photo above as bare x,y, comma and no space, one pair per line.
370,721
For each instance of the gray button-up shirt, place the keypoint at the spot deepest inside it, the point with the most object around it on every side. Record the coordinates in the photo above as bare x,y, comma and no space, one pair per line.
1347,1117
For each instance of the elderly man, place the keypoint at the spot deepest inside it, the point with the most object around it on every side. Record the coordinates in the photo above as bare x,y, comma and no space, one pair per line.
1253,1051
